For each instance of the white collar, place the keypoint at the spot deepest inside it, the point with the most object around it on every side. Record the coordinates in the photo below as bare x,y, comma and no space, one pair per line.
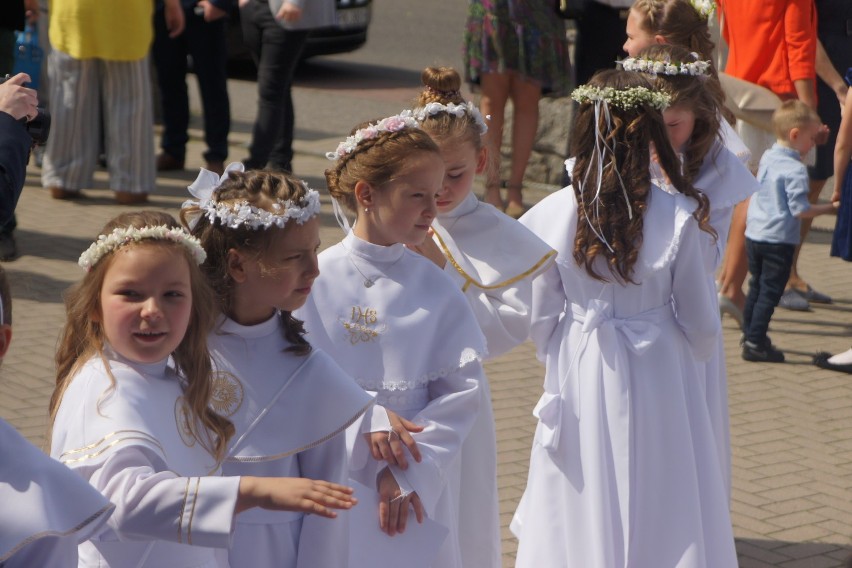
226,325
374,253
467,206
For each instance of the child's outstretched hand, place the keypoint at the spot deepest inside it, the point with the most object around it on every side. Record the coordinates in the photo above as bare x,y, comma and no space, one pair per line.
388,446
393,505
294,494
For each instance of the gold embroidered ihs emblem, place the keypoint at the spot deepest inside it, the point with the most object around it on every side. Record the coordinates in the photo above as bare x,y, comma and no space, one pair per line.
363,325
227,394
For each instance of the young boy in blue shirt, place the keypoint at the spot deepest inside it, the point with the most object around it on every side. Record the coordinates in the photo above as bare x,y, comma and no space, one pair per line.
773,222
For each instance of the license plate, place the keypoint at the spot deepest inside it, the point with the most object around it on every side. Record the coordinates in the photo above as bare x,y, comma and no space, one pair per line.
353,17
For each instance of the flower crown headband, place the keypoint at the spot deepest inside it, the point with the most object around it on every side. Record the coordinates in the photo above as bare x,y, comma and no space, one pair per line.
705,8
457,110
603,155
128,235
624,99
235,214
696,68
394,123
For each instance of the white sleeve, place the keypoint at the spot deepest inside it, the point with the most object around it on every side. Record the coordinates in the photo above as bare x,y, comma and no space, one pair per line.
152,503
548,305
695,308
51,551
503,315
327,462
449,416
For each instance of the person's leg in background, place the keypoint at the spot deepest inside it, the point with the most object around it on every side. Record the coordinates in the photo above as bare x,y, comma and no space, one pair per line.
169,56
208,48
276,52
129,129
495,89
525,96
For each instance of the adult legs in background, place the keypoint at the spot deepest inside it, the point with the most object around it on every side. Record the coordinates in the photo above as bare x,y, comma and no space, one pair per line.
128,128
525,96
276,52
75,108
497,88
495,92
206,43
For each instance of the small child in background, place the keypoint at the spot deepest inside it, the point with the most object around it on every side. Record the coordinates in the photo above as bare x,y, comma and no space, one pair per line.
133,409
493,259
773,223
290,403
47,509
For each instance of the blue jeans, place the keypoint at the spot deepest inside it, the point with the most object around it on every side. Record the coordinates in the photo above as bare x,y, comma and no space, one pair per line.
276,52
769,265
205,43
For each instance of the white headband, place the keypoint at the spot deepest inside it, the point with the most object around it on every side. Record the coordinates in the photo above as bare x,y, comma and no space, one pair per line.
128,235
457,110
235,214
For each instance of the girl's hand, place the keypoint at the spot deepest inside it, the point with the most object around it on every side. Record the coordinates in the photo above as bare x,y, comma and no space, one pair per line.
835,195
289,13
174,18
393,505
388,446
294,494
430,250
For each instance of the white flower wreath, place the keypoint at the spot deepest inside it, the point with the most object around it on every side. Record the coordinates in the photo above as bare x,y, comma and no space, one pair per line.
457,110
625,99
395,123
696,68
235,214
705,8
127,235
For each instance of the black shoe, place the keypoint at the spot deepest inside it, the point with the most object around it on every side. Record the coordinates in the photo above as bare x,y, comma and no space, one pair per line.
821,361
766,353
8,247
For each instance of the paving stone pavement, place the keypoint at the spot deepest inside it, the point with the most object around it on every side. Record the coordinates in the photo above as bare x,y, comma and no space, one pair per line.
791,423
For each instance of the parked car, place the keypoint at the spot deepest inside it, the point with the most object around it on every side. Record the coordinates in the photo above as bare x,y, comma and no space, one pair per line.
348,34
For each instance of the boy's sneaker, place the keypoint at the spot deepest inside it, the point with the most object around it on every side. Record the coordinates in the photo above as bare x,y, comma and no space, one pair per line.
766,353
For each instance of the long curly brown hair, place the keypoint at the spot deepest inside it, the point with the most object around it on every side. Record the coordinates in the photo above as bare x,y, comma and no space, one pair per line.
680,24
83,336
689,92
262,189
629,134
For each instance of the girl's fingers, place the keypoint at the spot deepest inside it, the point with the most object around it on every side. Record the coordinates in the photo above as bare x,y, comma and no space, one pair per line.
409,425
397,450
393,517
418,507
387,454
384,513
409,442
403,514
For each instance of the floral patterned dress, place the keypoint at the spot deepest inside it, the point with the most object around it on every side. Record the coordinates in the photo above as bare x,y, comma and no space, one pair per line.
523,36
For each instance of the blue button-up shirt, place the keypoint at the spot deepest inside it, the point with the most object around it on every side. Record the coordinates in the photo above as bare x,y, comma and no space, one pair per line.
783,196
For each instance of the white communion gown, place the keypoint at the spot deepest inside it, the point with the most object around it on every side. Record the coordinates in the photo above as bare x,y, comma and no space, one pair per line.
290,413
493,259
130,441
47,509
624,471
396,323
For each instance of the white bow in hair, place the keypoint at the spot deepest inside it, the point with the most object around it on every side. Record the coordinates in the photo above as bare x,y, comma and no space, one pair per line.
207,182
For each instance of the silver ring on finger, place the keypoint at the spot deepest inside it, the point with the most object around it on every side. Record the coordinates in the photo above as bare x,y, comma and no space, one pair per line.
391,434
